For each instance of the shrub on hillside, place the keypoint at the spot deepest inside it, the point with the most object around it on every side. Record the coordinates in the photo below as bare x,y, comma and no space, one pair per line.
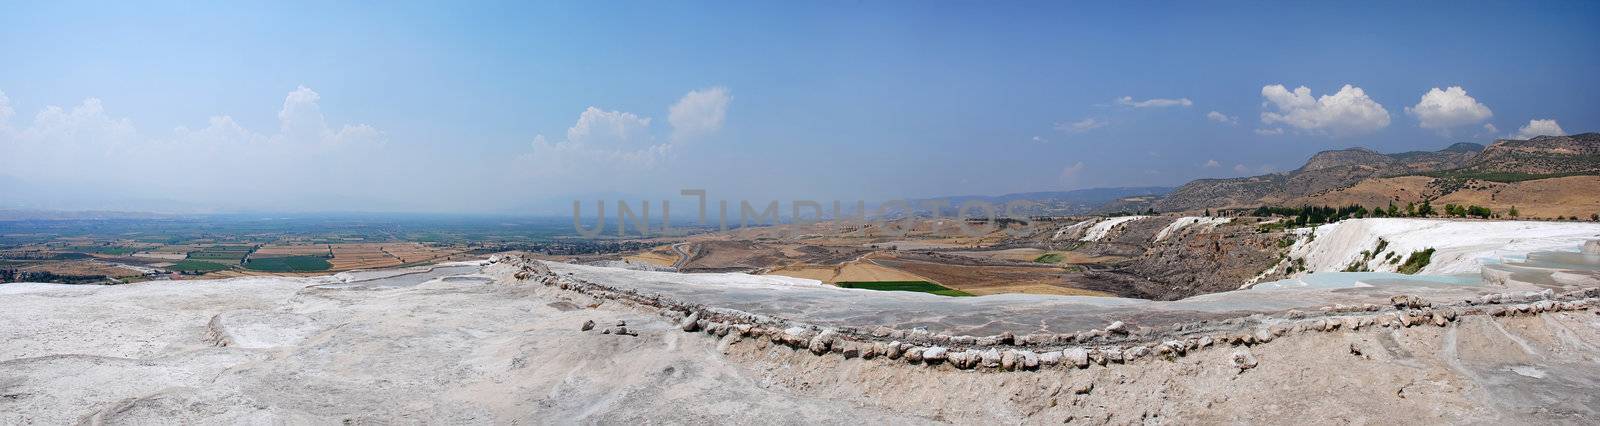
1416,261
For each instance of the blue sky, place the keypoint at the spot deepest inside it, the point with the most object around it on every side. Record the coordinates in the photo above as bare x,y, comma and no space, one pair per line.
473,106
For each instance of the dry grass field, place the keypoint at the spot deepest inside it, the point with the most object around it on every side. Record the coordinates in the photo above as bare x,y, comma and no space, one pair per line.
1016,254
82,267
659,256
858,271
347,256
163,255
361,256
982,279
1543,198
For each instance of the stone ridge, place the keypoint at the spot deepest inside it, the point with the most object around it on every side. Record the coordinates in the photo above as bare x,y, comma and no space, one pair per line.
1115,343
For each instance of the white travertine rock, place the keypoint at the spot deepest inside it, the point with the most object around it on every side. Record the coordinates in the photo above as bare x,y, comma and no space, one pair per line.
1113,355
1350,323
796,336
1050,358
1174,346
819,345
990,358
691,323
847,348
1009,360
1138,352
1097,357
957,359
914,354
1264,335
1243,360
1079,357
934,354
878,349
1030,360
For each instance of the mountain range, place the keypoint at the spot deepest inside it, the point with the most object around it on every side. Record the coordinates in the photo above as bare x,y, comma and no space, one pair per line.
1359,175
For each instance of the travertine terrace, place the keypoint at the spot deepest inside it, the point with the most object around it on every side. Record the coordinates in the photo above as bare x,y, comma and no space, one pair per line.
520,340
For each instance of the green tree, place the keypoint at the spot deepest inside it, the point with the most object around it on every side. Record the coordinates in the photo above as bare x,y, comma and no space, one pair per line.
1513,211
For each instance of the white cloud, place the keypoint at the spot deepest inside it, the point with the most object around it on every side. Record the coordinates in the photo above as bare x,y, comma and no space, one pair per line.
1348,112
1489,127
599,140
1222,118
699,113
1040,140
86,127
1270,132
1240,168
1442,110
1537,127
88,147
1153,103
1081,126
301,120
1210,164
219,130
603,128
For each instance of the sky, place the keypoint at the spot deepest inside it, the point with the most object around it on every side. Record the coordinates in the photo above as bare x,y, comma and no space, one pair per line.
524,107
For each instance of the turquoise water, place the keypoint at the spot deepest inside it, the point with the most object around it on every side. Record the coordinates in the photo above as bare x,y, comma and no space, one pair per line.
1535,268
1331,280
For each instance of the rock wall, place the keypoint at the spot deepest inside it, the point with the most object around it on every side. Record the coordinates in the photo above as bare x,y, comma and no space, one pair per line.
1176,257
1116,343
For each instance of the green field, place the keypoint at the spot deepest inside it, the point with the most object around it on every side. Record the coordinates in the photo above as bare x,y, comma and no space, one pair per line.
289,264
917,286
1048,258
111,250
196,265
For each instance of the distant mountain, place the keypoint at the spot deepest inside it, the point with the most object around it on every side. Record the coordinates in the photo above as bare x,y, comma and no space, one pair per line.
1576,154
1325,171
1054,203
1336,171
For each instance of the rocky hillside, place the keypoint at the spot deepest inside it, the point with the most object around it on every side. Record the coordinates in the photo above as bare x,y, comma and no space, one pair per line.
1329,172
1325,171
1056,203
1541,155
1568,196
1170,258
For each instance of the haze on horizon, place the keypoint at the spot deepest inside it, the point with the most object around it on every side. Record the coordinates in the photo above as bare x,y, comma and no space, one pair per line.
522,108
